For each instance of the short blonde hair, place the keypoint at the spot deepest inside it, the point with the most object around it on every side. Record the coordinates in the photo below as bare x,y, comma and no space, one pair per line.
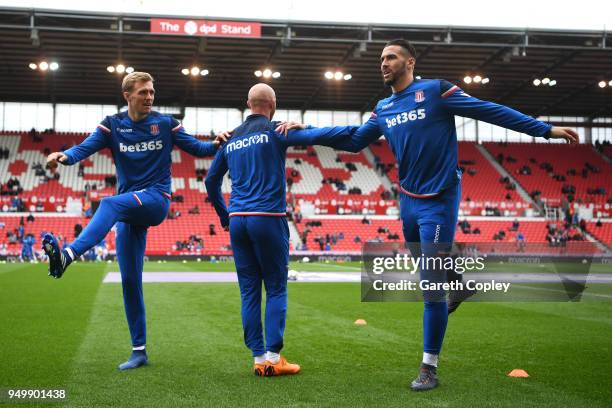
130,79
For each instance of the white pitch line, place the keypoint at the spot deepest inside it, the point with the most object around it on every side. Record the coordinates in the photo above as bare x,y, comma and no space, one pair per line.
230,277
355,268
564,291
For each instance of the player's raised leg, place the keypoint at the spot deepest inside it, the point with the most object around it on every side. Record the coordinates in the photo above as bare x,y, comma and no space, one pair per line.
131,243
111,210
250,281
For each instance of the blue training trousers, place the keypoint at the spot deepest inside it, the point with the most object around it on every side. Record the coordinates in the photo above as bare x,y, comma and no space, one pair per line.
261,253
134,212
429,221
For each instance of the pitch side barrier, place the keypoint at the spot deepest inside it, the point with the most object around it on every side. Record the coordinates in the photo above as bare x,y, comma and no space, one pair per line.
498,272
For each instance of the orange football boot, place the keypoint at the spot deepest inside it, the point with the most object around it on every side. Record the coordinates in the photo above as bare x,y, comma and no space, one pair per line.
281,368
259,370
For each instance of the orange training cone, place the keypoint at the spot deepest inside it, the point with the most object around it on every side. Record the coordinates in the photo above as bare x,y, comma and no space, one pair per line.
518,373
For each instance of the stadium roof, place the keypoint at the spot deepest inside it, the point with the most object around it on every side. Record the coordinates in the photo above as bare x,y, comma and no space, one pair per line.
84,44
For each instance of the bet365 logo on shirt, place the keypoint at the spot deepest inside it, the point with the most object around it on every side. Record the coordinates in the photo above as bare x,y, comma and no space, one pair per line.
404,117
142,146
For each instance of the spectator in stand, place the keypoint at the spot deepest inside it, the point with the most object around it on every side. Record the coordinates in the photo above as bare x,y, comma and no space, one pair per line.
378,165
321,243
520,239
30,218
297,216
78,228
12,237
88,211
515,225
211,230
465,226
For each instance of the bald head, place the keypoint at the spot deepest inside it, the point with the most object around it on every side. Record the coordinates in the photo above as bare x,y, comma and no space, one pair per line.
262,100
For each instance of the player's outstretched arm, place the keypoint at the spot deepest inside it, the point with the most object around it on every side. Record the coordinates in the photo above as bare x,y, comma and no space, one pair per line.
214,180
462,104
57,157
325,136
570,135
193,146
93,143
349,138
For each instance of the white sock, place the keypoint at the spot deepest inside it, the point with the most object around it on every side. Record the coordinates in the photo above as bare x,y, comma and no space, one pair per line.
70,253
273,357
260,359
430,359
138,348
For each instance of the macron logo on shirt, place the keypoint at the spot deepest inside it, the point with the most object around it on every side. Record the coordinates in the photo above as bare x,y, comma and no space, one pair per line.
247,142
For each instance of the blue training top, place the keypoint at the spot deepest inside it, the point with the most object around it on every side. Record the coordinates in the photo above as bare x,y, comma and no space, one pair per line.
255,157
141,150
419,124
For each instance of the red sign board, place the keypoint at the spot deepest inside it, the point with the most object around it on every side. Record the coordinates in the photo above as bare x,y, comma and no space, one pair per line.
206,28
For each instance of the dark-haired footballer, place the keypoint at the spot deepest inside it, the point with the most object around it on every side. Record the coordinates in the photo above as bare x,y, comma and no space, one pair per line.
418,121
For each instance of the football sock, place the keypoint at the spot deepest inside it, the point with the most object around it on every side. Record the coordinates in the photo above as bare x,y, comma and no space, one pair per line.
260,359
430,359
138,348
273,357
67,256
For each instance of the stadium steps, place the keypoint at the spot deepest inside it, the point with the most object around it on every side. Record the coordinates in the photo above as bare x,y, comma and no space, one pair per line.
383,178
599,244
602,155
602,234
294,235
501,170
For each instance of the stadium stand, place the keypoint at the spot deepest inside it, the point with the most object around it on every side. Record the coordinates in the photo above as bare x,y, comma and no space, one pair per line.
346,234
557,172
320,181
482,190
602,231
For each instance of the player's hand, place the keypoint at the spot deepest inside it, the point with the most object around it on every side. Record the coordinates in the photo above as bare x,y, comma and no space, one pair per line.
568,134
284,127
226,228
222,138
57,157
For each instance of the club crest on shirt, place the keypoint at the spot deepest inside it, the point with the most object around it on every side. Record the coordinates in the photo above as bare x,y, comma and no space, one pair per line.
419,96
155,129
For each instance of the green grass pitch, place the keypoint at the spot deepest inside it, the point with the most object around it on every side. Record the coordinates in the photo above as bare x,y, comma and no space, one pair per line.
71,334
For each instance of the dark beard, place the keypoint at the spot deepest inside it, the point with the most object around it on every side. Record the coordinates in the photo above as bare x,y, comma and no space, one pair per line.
390,81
